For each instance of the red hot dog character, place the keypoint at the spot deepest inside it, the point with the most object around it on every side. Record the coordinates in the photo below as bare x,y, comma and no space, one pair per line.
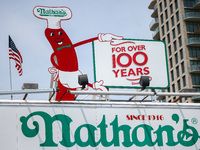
64,58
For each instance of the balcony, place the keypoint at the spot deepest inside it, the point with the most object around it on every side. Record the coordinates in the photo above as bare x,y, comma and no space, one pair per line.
194,69
191,16
195,97
197,29
194,53
194,41
151,5
154,24
155,12
156,34
197,4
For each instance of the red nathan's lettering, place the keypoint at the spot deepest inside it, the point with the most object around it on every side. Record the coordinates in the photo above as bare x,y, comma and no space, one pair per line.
129,48
118,49
131,72
138,47
145,117
133,117
155,117
116,60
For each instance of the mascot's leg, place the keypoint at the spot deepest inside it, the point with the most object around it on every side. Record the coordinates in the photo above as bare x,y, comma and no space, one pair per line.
62,94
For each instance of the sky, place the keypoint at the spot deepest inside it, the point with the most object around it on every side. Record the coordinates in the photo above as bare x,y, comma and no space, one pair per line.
127,18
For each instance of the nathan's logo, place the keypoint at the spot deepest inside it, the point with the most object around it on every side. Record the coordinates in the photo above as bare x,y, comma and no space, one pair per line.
186,136
51,12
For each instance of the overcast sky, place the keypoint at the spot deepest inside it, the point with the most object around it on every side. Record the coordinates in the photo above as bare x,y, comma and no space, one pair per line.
127,18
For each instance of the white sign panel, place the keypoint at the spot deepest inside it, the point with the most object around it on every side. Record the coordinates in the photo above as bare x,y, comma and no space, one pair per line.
121,63
101,126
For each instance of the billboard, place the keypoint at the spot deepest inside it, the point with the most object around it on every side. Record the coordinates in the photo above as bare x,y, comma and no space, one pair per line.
99,125
121,63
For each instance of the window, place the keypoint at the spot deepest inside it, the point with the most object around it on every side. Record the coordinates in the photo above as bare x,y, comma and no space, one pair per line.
172,75
170,50
179,84
184,81
175,46
181,54
164,39
176,4
166,14
179,28
177,16
168,90
161,7
163,30
176,57
171,62
177,71
161,18
180,41
183,67
174,33
168,38
171,9
165,3
167,24
172,19
173,87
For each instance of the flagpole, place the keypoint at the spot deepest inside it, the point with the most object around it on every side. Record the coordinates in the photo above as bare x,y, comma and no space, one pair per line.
10,79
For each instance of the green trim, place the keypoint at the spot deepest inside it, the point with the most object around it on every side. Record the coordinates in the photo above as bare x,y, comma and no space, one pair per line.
166,65
133,87
59,48
94,61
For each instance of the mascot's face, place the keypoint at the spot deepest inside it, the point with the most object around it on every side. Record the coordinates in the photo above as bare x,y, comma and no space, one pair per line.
57,38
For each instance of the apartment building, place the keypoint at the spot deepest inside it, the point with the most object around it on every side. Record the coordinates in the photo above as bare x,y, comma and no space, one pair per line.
177,23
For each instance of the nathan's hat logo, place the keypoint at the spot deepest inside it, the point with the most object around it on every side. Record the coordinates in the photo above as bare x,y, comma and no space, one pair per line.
53,15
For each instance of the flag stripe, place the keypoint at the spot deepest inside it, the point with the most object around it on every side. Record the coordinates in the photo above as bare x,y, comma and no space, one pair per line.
14,56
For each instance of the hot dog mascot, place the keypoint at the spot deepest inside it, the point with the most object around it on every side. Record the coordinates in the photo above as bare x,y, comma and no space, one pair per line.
64,58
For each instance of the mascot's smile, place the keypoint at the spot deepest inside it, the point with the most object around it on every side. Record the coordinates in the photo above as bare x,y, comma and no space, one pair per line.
60,42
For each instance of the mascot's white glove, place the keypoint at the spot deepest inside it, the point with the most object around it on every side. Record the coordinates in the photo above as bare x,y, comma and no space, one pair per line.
99,86
107,37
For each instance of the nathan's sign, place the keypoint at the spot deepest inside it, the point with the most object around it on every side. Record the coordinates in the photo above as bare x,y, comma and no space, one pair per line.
121,63
186,135
35,126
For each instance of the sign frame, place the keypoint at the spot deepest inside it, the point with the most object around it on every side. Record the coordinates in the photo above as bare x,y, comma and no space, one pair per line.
134,87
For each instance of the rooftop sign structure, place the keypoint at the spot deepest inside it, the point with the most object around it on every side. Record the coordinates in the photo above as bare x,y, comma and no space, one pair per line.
121,63
99,125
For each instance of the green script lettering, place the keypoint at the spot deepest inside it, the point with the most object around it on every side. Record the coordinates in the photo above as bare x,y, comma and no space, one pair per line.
188,136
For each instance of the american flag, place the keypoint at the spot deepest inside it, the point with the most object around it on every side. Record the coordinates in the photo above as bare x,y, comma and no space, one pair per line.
15,55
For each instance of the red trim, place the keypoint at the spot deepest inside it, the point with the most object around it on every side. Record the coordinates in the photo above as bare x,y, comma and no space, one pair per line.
85,41
117,44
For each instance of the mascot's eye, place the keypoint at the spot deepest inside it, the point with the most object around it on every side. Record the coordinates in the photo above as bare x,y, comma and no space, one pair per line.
51,34
59,33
